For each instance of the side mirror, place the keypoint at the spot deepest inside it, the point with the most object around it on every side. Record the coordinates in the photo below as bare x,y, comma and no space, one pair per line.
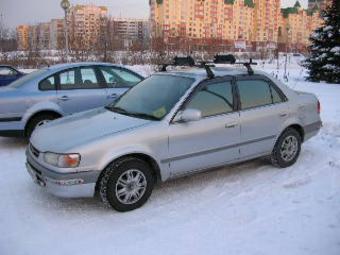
188,115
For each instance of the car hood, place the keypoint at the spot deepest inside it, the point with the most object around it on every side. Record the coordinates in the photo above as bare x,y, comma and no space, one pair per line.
67,133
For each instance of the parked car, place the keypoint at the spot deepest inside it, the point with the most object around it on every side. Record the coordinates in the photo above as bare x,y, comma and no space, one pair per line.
58,91
170,125
9,74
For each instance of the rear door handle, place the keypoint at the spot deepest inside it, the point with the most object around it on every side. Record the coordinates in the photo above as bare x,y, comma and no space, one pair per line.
64,98
282,115
231,125
113,96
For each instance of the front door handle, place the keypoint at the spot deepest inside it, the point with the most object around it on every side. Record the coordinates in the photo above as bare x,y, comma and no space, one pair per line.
231,125
64,98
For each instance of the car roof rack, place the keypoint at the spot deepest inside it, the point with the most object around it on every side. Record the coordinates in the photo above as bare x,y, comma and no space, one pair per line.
189,61
230,59
248,65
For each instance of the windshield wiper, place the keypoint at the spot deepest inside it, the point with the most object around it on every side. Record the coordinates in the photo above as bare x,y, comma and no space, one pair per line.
116,109
132,114
143,115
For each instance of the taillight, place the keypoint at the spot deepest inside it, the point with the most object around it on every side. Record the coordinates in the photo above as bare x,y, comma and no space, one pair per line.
319,107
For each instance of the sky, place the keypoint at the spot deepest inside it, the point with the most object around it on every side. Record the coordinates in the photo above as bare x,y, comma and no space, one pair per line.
15,12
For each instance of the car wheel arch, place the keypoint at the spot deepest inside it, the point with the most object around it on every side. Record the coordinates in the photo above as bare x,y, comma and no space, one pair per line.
35,114
296,126
156,171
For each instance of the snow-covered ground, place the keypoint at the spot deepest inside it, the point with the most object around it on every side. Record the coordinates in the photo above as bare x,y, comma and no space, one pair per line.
249,208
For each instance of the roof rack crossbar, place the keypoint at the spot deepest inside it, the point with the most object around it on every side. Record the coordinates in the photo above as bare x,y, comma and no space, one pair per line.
180,61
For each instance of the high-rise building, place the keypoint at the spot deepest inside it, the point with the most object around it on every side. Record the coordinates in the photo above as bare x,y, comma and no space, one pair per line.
318,4
129,31
43,35
23,37
57,34
258,24
86,23
266,22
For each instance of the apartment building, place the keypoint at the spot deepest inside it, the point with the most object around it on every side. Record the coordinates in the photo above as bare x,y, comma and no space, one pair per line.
86,25
255,24
319,4
57,34
129,31
23,37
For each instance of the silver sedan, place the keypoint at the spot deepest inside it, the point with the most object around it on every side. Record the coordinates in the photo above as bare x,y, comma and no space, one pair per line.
170,125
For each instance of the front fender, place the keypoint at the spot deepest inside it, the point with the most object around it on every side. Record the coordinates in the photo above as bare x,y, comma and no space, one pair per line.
114,154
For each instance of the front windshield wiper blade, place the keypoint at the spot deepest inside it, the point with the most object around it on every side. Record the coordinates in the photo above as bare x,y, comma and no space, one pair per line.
116,109
143,115
132,114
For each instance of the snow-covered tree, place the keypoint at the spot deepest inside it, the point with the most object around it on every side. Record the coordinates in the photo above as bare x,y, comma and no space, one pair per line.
323,63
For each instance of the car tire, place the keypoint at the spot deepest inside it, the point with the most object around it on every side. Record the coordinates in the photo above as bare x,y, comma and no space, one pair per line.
126,184
37,121
287,148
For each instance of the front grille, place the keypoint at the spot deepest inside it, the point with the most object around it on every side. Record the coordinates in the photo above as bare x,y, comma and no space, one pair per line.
34,151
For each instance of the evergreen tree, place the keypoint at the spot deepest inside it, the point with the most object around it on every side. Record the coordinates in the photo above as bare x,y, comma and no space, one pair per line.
323,63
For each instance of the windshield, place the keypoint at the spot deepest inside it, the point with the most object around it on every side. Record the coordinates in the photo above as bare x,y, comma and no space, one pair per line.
152,98
22,81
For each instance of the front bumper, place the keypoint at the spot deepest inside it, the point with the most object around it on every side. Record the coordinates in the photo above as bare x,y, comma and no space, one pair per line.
70,185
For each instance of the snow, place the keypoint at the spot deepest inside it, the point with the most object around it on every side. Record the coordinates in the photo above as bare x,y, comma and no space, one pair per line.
249,208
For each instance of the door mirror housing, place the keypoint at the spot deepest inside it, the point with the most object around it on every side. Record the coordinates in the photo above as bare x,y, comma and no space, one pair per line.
188,115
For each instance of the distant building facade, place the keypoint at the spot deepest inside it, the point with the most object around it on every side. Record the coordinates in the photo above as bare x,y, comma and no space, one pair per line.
23,37
87,23
230,24
130,31
57,34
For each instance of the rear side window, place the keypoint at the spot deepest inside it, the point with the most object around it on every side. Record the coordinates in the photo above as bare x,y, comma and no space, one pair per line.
213,99
48,84
254,93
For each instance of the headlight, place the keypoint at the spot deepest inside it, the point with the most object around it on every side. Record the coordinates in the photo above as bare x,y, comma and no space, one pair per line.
62,160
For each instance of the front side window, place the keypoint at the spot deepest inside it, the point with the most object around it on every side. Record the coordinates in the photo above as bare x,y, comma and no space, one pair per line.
213,99
152,98
254,93
116,77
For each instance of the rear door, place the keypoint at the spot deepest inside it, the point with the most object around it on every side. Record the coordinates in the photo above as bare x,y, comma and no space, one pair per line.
80,89
263,110
118,80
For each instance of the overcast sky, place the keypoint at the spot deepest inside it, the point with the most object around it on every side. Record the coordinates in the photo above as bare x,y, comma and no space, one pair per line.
15,12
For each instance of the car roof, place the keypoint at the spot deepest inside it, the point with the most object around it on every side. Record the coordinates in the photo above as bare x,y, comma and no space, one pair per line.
70,65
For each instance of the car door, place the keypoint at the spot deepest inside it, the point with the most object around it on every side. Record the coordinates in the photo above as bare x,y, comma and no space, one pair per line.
80,89
118,80
263,110
212,140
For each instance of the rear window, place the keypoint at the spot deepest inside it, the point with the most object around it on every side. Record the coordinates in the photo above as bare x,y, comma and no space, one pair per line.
23,80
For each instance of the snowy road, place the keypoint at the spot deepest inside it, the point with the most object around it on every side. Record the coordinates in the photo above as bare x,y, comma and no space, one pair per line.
250,208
